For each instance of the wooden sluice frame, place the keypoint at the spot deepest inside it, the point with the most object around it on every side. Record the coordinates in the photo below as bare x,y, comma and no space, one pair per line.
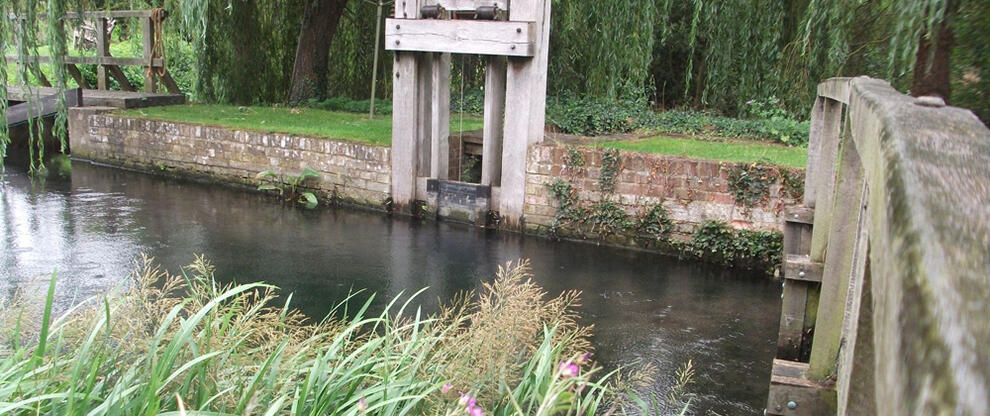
515,94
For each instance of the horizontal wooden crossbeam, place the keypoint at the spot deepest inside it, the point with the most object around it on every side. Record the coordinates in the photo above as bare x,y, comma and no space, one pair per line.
800,214
463,5
96,60
797,267
461,36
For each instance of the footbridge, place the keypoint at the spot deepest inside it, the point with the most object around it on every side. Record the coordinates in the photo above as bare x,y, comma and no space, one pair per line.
886,303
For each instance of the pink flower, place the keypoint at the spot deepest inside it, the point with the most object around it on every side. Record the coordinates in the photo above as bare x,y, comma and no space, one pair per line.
446,387
475,411
569,369
362,405
470,405
465,398
583,359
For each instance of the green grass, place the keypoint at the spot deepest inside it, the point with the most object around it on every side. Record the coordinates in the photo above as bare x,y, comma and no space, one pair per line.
731,151
298,121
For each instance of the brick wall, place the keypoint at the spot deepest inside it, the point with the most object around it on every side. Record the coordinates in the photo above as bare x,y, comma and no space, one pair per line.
692,190
358,173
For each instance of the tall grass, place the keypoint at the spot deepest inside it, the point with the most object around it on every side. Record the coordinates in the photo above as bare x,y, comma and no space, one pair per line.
174,345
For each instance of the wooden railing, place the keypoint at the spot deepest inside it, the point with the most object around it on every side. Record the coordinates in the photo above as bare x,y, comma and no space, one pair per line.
107,65
887,275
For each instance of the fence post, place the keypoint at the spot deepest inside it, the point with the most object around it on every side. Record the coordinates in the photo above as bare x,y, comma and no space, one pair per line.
147,42
102,51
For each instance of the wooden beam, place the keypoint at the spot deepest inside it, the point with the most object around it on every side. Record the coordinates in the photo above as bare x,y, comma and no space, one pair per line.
491,159
102,51
461,36
440,117
799,214
147,42
798,267
792,394
41,107
465,5
94,60
76,75
170,85
118,74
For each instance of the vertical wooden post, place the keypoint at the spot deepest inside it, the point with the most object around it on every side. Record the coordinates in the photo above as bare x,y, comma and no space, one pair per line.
102,51
845,249
405,113
820,177
424,94
440,116
147,43
491,159
525,108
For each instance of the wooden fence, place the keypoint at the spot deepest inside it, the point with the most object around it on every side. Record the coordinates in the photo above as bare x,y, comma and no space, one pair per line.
887,270
109,66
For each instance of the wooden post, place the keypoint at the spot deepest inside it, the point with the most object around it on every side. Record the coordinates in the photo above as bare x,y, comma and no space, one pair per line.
147,43
525,107
405,113
820,178
102,51
440,116
491,159
845,249
424,120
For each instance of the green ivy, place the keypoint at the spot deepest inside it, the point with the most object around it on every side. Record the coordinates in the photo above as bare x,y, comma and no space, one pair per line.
611,162
575,159
607,218
717,241
750,184
568,209
793,183
655,226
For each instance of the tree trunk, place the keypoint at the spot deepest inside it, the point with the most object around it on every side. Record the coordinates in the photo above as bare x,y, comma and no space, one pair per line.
309,72
931,66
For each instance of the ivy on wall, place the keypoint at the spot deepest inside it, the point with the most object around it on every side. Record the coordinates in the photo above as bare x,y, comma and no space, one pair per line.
712,241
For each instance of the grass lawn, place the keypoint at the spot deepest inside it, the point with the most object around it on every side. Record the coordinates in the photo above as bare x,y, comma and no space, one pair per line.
299,121
731,151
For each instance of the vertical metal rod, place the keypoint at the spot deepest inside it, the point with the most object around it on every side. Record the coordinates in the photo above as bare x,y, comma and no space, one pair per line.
374,70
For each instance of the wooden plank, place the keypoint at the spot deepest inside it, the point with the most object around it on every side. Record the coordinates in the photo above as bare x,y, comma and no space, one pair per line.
147,42
43,106
836,89
118,74
798,267
95,14
820,185
793,395
440,116
102,51
491,159
525,110
799,214
843,244
424,118
405,146
792,317
170,84
76,75
94,60
464,5
461,36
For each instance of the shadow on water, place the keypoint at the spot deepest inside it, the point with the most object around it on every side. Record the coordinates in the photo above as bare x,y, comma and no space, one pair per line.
645,307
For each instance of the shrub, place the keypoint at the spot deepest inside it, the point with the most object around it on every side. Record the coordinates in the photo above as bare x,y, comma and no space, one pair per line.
717,241
590,116
170,343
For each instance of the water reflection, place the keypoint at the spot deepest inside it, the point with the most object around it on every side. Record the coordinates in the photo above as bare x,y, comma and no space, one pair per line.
645,307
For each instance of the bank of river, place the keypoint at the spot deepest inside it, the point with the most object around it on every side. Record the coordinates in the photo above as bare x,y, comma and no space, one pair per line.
645,307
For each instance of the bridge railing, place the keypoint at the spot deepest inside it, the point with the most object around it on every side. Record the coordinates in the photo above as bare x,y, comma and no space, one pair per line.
886,306
107,65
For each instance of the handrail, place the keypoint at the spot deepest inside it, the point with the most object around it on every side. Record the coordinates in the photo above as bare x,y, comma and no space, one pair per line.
901,233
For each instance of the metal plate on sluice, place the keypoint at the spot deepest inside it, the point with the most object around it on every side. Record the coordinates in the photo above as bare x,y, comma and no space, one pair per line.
460,201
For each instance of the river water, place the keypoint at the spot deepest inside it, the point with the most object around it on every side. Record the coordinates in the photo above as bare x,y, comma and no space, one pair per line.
646,308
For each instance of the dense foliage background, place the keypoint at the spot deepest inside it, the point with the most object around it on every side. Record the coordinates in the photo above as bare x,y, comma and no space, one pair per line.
713,55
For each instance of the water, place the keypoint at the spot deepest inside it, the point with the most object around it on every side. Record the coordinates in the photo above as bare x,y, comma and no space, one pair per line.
645,307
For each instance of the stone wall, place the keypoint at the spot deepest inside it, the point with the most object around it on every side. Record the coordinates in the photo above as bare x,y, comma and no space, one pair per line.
354,172
692,191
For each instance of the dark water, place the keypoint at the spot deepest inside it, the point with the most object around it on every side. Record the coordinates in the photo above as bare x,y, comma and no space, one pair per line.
645,307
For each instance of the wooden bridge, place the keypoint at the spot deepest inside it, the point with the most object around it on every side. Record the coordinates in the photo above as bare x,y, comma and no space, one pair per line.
887,272
39,102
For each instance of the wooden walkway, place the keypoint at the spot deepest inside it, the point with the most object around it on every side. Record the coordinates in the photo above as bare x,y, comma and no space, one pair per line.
100,98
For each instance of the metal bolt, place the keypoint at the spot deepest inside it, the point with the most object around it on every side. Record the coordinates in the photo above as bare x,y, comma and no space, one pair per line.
930,101
396,41
791,405
513,47
801,274
795,215
518,30
397,27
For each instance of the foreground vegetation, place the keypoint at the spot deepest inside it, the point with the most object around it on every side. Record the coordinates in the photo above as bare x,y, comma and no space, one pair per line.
172,345
301,121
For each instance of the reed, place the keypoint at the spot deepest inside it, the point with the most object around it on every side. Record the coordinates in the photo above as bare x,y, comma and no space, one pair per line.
188,345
